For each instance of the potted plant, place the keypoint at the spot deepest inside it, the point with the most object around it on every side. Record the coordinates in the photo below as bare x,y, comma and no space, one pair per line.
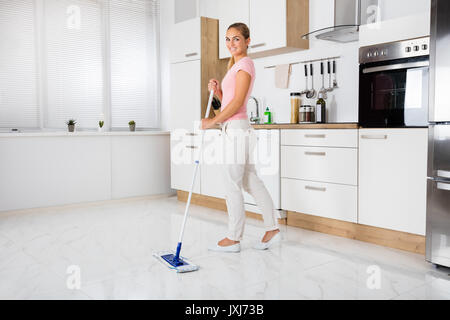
132,125
71,125
100,125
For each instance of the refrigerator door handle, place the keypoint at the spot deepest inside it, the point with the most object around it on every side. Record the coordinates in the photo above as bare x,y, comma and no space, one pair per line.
443,186
443,173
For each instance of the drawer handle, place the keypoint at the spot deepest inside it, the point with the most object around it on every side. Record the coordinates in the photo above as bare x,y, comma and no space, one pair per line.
187,55
315,188
191,134
192,147
377,137
309,153
258,45
443,186
315,136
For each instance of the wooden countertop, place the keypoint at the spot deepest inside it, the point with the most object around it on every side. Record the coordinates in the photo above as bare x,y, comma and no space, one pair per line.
307,126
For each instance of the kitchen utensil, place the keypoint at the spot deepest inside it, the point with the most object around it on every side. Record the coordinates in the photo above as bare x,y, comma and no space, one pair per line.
311,93
323,91
306,81
335,84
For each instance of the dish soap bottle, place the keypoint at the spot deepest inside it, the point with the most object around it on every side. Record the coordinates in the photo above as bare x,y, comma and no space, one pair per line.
267,116
320,109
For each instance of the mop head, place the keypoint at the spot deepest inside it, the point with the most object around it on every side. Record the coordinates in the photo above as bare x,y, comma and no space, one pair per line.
183,264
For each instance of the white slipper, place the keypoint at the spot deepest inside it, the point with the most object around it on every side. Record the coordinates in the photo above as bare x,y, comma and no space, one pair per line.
266,245
233,248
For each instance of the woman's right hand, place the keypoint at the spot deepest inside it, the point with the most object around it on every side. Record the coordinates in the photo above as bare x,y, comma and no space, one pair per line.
214,85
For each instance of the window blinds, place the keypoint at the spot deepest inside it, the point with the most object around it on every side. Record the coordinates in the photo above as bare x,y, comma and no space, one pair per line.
73,65
134,63
18,66
62,59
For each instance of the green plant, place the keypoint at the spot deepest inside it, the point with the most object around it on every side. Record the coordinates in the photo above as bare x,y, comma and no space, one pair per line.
101,123
71,122
131,123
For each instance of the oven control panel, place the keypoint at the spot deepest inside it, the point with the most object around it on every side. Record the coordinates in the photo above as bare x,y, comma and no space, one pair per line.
395,50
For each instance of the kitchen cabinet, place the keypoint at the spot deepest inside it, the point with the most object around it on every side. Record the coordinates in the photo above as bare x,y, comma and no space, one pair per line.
185,100
392,178
189,76
231,11
184,149
319,172
266,157
276,26
211,168
185,41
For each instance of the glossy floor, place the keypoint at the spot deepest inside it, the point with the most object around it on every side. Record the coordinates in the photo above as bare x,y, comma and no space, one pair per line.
106,248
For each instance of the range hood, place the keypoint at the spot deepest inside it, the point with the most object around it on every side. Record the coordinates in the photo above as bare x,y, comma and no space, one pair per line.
347,19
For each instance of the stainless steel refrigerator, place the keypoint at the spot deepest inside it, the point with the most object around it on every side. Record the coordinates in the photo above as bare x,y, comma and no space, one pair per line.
438,188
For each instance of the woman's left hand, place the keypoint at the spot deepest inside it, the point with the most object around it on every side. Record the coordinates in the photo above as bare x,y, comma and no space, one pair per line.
207,123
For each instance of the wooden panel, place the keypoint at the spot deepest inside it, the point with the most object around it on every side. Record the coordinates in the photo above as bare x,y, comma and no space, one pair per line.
389,238
211,66
297,23
216,203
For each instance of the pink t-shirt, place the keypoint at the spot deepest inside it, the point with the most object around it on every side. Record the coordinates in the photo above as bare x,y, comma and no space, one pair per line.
229,85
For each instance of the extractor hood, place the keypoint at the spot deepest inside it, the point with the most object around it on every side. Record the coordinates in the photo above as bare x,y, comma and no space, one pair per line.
347,19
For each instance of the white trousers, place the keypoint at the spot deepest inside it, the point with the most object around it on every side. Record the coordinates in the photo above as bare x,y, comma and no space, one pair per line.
240,173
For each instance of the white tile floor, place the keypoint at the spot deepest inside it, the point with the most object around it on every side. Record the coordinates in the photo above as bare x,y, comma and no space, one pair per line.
112,243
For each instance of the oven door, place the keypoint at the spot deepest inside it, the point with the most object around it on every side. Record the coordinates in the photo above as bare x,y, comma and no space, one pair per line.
394,93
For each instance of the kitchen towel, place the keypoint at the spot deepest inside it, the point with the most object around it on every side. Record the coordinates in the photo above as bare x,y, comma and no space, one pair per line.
282,73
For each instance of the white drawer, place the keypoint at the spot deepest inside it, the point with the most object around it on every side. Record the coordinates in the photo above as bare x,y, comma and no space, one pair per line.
334,165
320,199
320,137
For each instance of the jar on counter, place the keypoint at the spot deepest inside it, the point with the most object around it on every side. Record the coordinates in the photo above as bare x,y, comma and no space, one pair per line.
302,114
295,106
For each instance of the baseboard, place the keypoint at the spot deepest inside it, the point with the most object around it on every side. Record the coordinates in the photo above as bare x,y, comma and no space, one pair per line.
216,203
385,237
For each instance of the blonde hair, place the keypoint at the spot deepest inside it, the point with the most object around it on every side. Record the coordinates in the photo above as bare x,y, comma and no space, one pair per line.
245,31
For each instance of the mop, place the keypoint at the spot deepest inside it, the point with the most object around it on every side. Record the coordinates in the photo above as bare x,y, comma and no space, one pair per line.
173,260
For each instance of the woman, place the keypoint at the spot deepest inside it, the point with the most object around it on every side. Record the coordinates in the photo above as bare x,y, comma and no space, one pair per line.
236,89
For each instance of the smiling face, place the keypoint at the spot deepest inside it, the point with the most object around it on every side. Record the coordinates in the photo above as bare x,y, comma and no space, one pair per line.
236,43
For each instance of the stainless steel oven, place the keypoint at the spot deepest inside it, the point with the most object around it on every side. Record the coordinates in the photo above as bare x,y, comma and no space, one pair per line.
393,84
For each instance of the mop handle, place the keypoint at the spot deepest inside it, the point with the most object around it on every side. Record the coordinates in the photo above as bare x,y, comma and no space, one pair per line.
197,162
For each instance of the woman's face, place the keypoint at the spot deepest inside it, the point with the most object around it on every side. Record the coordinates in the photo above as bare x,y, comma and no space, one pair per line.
236,43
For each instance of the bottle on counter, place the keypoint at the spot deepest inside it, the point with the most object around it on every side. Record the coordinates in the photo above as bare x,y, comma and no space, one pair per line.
321,109
267,116
302,114
295,105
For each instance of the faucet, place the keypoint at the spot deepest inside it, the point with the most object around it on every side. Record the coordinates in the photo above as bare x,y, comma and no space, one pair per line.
256,119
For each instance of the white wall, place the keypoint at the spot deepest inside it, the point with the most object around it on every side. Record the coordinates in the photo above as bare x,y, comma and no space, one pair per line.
342,103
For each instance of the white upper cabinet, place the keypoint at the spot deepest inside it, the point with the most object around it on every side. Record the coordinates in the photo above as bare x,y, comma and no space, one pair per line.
231,11
268,25
276,26
185,40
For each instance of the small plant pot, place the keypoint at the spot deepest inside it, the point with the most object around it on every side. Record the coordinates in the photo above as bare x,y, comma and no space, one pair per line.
132,127
71,127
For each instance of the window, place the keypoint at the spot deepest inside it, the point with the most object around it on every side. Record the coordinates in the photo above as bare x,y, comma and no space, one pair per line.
79,59
19,105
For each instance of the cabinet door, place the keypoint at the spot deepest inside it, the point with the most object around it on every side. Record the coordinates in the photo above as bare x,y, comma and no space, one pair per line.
231,11
266,157
392,179
211,167
185,41
267,25
183,153
185,97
